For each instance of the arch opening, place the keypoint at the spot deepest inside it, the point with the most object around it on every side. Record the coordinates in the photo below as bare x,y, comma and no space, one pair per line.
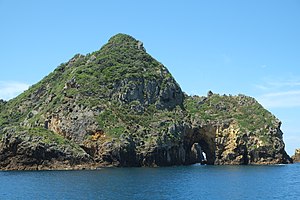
209,151
201,146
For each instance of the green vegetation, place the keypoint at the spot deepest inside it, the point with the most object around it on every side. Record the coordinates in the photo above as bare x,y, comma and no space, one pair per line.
49,137
41,135
101,81
249,114
96,81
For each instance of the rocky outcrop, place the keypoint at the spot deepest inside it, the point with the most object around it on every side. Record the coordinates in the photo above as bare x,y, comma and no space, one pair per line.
296,156
2,104
225,144
147,92
22,150
75,124
120,107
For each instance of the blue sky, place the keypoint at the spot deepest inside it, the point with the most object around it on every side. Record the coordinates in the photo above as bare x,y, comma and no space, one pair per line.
232,47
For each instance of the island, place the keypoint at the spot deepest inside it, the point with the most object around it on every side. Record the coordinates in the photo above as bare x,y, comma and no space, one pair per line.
118,106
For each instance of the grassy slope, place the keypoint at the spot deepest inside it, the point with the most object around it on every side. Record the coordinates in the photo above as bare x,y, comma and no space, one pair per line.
249,114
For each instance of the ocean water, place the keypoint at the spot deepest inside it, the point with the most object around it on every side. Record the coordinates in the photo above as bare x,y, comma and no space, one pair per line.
182,182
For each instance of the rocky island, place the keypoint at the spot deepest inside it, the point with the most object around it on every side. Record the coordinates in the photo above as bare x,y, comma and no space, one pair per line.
118,106
296,156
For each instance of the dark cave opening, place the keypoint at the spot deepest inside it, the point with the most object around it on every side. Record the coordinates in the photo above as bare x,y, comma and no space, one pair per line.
201,152
208,151
200,146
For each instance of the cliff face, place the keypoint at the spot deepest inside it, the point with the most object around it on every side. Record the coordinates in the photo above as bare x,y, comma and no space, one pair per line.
241,130
119,106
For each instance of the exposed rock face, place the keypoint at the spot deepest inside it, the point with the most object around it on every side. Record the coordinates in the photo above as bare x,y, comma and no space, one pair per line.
225,144
66,123
25,151
228,136
120,107
148,92
296,156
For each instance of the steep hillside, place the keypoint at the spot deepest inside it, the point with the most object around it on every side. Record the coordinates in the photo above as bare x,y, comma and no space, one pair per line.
119,106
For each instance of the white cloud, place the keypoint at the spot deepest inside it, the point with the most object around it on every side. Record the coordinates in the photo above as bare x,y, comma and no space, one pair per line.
261,87
10,89
280,93
283,94
278,84
284,83
280,99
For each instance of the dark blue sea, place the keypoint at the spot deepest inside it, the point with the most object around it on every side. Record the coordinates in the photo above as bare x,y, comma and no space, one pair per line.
183,182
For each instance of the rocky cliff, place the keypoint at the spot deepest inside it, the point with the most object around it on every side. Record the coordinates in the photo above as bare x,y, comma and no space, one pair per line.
118,106
296,156
238,130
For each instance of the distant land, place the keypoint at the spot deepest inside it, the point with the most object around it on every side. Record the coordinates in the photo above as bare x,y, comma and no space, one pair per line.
118,106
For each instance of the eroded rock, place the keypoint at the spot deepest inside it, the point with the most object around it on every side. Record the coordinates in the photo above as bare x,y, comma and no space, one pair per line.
296,156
